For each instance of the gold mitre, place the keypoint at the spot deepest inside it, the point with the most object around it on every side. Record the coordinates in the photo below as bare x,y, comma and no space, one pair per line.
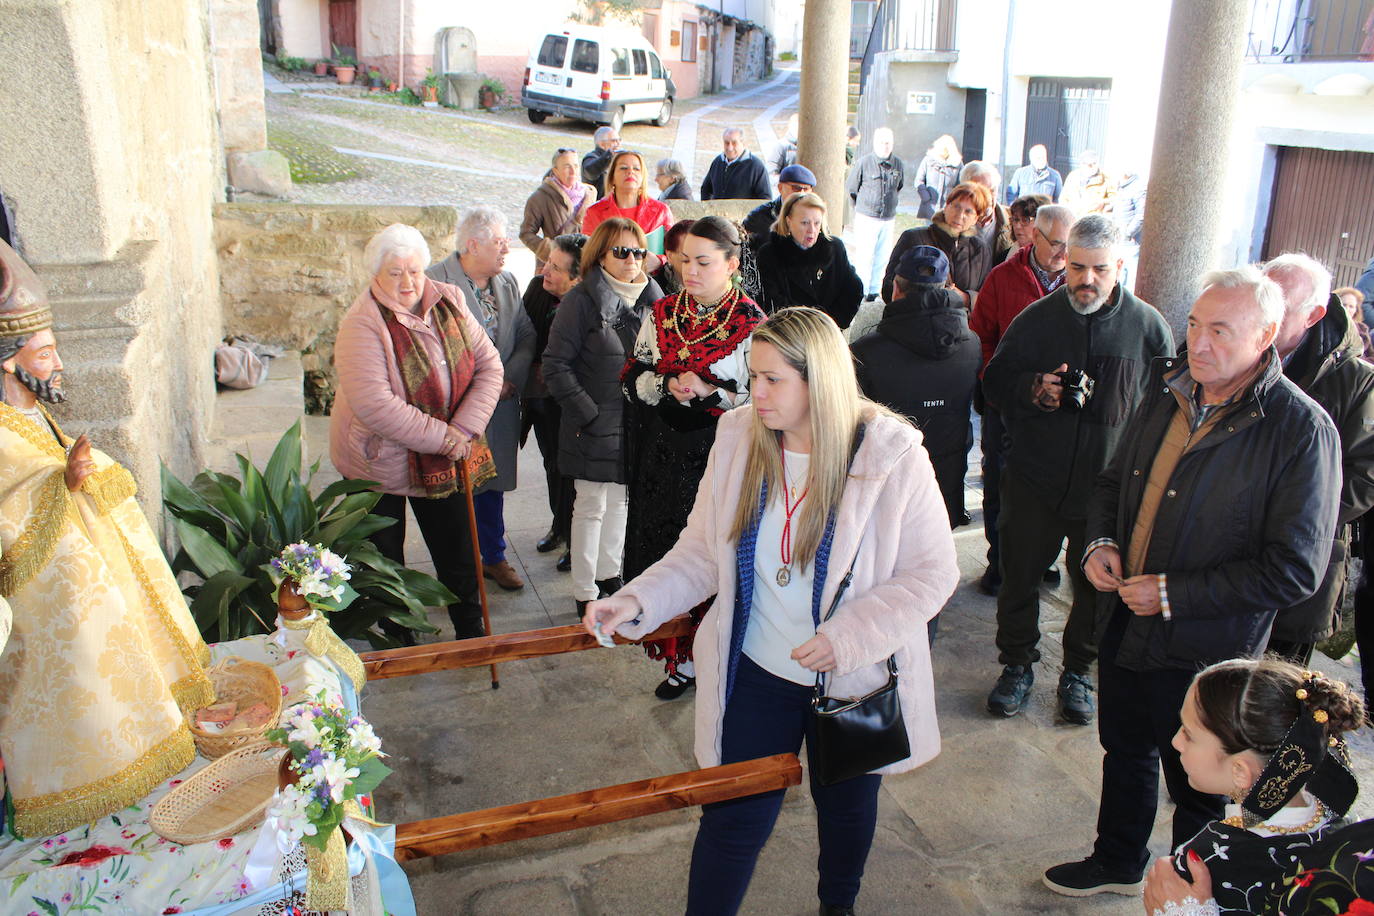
23,300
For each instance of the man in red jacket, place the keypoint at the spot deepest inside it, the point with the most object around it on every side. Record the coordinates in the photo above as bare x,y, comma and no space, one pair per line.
1031,273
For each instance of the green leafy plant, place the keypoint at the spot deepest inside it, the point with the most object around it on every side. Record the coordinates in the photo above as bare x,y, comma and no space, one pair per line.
291,63
408,96
232,527
431,79
494,86
346,60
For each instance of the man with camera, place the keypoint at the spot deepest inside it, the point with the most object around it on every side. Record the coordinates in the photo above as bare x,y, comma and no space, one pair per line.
1065,377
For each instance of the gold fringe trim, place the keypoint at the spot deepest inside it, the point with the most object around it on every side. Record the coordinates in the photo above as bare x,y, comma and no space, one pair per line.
110,487
32,433
322,642
192,690
327,887
34,547
58,812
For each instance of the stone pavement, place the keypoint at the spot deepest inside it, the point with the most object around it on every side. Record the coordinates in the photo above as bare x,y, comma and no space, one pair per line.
969,832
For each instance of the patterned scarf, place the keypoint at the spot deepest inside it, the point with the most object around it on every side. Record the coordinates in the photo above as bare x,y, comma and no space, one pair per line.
437,475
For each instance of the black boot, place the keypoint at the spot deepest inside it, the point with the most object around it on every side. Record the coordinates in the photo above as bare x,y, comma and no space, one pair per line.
608,587
828,910
565,562
467,621
549,542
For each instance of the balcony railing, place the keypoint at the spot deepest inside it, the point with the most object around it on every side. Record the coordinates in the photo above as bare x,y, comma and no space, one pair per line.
911,25
1300,31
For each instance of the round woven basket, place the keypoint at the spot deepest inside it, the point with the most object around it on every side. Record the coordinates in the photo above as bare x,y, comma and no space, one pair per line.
228,796
245,683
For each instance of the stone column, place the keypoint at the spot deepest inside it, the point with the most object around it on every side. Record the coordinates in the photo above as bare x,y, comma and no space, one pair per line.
1197,100
824,88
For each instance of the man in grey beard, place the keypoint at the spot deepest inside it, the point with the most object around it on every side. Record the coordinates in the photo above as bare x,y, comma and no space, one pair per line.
1065,377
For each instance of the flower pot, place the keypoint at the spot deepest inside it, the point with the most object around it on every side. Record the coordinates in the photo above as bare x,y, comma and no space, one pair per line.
291,605
431,93
486,98
345,74
392,86
321,68
285,775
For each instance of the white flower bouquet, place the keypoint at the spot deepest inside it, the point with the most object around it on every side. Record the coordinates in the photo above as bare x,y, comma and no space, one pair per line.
318,575
335,757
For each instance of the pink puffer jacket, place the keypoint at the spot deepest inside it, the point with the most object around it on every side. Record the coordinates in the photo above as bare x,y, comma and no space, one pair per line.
372,430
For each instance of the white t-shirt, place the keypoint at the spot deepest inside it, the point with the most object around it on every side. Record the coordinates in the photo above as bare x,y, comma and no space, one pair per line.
780,620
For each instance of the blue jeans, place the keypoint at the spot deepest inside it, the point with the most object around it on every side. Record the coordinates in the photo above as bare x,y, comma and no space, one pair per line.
490,511
770,715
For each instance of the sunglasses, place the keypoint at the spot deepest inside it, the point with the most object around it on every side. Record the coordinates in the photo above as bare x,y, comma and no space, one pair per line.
621,252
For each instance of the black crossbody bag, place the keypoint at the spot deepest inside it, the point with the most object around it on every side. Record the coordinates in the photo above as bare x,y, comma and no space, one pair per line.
856,736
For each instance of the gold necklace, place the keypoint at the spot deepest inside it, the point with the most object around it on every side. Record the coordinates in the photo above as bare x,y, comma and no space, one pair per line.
673,323
1319,815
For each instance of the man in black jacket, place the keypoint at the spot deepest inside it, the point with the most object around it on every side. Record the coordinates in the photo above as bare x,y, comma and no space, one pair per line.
873,184
1320,348
1216,510
595,163
922,361
1061,436
736,174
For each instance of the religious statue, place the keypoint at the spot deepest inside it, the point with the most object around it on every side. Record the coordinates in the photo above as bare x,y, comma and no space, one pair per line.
104,659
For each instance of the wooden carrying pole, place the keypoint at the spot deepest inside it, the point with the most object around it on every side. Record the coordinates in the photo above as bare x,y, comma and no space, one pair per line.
490,826
466,482
505,647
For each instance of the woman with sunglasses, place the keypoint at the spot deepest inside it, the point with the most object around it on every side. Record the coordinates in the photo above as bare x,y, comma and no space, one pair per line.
690,366
592,334
626,197
810,487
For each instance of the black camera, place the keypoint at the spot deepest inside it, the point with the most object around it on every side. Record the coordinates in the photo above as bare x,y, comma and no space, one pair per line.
1078,389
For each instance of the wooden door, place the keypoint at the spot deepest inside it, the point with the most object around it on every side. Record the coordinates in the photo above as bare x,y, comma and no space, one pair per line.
1321,206
343,26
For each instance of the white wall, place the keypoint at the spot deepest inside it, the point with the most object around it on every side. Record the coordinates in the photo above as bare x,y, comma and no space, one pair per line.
304,28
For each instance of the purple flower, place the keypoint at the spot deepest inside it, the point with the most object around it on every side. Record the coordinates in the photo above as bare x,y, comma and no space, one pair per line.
1365,856
315,757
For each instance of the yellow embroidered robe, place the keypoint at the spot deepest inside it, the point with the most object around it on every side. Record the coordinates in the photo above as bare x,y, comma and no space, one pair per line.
103,656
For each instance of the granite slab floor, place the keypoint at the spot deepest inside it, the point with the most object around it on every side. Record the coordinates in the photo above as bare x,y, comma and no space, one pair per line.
969,832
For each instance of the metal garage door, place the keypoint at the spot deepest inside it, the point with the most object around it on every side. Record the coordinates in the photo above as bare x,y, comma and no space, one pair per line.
1321,205
1068,116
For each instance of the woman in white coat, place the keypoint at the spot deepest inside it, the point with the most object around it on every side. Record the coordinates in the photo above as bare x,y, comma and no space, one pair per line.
805,482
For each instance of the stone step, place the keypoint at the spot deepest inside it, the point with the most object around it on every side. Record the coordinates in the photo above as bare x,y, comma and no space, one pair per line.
251,421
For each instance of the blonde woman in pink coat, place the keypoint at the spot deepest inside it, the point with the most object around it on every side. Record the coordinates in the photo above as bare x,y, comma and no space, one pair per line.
418,380
807,480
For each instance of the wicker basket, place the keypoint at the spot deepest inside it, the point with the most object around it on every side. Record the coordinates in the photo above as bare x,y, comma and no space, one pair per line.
245,683
228,796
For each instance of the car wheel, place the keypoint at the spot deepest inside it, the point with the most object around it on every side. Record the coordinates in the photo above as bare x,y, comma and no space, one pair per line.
665,113
536,117
618,119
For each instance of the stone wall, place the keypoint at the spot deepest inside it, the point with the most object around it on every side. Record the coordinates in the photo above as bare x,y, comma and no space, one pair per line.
110,158
288,272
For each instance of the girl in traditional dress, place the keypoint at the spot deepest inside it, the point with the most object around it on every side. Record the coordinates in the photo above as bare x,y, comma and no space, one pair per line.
1268,734
690,365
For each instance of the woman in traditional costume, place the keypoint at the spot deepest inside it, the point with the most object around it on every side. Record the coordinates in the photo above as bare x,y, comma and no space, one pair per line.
814,501
690,366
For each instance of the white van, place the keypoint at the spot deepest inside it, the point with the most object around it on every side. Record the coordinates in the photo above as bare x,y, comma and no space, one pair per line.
606,76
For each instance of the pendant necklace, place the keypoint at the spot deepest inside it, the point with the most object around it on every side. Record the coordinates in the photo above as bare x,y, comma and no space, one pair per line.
789,507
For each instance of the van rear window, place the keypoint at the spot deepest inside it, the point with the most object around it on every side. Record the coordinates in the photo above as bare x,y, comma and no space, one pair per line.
553,51
620,66
586,56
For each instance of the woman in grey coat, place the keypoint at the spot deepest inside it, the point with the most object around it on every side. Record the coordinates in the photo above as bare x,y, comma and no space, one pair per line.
591,337
493,296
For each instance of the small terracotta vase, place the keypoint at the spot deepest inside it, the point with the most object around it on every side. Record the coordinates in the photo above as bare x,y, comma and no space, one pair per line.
291,605
285,775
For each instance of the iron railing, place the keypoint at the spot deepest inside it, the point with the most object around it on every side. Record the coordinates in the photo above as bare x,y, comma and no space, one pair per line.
910,25
1297,31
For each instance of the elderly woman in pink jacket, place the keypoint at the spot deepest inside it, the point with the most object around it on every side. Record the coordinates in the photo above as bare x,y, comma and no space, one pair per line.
418,380
809,482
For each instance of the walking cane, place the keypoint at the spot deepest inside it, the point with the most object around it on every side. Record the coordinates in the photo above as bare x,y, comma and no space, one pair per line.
466,482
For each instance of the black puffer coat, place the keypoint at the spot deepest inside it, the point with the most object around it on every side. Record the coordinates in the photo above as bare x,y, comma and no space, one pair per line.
1244,526
969,258
820,276
922,361
1327,366
591,336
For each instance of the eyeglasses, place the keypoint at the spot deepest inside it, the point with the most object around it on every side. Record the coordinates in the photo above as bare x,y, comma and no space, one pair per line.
621,252
1054,246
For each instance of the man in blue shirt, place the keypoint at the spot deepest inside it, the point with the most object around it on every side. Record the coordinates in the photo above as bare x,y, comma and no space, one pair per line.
1036,178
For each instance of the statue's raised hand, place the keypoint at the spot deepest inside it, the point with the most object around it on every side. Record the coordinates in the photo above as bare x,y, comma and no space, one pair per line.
79,463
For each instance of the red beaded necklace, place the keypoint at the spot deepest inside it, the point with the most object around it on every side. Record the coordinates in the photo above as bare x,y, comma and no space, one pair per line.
785,549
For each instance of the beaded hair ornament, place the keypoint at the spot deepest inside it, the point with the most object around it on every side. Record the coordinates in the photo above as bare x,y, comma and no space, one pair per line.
1307,758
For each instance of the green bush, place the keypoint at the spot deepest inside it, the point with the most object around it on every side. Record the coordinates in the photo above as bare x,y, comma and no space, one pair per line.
230,528
291,63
